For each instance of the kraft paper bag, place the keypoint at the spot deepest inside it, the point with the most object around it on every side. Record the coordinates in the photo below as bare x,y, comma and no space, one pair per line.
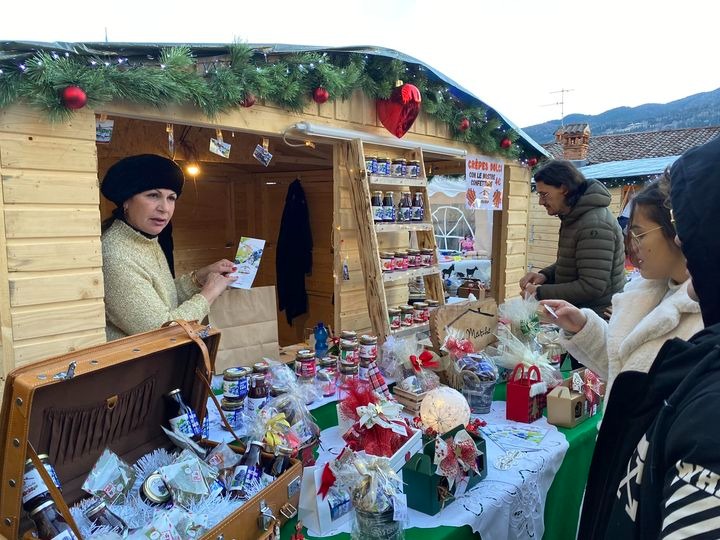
248,321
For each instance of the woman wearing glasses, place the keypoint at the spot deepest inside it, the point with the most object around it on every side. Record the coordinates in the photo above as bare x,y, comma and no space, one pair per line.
652,309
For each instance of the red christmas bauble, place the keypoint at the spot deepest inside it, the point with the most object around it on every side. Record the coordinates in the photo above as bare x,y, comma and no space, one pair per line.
505,143
249,100
532,161
464,124
320,95
74,97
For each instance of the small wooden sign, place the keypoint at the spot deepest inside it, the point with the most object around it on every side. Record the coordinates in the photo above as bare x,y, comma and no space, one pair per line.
475,320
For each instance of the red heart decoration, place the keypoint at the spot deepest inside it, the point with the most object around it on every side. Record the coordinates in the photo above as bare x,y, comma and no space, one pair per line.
399,112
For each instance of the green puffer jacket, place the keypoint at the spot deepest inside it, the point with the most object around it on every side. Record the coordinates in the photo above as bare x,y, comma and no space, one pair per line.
590,265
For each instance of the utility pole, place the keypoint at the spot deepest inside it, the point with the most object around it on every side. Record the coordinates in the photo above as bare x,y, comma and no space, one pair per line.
562,93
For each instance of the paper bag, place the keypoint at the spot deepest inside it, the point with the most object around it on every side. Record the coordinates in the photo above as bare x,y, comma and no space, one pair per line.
248,321
474,320
322,515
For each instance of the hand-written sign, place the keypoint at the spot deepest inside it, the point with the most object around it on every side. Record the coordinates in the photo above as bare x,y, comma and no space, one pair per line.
485,180
476,321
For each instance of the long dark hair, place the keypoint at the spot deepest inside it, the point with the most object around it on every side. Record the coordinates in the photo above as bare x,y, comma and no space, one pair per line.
654,199
557,173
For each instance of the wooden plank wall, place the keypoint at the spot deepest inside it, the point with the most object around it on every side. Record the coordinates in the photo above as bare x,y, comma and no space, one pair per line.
50,266
543,231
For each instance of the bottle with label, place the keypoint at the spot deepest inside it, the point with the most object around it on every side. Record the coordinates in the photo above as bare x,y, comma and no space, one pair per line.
321,338
185,420
49,523
248,471
405,206
376,202
418,207
281,461
34,491
389,207
257,393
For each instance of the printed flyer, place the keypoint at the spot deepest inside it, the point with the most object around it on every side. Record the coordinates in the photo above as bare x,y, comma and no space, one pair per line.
247,260
485,180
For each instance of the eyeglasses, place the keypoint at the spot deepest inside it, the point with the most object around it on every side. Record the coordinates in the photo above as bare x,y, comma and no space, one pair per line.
542,196
636,238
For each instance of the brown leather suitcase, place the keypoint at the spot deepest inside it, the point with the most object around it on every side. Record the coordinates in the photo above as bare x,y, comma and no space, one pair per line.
118,387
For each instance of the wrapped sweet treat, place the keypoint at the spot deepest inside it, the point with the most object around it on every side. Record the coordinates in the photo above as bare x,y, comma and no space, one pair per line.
513,351
110,478
186,481
520,317
426,379
222,457
161,526
394,354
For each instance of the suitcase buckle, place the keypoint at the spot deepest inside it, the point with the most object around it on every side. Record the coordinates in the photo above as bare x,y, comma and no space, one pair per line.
288,511
266,517
69,374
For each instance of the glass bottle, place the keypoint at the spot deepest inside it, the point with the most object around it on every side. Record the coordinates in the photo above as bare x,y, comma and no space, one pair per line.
376,202
185,421
405,206
49,523
99,514
249,469
257,393
321,337
388,207
281,461
418,207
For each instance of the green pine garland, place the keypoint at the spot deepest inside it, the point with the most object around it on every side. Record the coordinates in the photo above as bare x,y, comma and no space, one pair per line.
288,80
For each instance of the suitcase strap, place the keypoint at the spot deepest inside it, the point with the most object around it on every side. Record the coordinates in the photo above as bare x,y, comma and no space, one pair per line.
54,491
208,371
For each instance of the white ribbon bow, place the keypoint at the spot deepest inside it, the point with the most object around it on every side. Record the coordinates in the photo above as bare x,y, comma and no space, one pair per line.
381,414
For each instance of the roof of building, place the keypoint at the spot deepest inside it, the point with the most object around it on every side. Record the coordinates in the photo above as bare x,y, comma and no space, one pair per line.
627,168
637,146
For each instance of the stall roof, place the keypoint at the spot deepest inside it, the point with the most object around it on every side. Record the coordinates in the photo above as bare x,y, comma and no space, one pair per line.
19,50
628,168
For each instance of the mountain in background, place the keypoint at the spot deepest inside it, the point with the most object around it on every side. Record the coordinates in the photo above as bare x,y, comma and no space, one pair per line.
698,110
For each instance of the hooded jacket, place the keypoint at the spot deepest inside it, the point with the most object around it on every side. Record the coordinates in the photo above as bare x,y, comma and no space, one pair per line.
590,265
655,472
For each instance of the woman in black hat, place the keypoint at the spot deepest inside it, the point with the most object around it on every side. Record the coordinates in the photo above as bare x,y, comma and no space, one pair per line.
140,292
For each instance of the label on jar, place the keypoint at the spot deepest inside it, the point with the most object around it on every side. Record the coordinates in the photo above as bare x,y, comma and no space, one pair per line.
187,424
405,213
395,321
235,389
408,318
368,351
33,485
419,315
417,213
363,372
306,368
233,417
388,213
388,265
426,314
378,213
371,166
426,259
254,404
396,169
64,535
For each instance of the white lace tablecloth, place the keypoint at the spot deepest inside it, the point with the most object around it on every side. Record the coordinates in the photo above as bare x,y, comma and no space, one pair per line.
508,504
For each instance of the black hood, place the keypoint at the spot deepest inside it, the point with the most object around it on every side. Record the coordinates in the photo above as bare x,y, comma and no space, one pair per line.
695,193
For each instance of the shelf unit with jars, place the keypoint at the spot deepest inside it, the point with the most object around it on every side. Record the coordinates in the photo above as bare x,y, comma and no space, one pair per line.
398,223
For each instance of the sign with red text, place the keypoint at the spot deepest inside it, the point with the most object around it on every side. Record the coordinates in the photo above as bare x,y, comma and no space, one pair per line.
485,180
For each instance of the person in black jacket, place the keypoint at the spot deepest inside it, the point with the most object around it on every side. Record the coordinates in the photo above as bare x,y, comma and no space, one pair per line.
655,472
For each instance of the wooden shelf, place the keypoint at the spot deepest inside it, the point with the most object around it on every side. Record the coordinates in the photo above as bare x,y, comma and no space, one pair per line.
420,181
409,274
399,227
408,330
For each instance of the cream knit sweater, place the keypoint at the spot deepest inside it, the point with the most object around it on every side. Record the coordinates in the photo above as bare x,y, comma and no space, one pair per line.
140,294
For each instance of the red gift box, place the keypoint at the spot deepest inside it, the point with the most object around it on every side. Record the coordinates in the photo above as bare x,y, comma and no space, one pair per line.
526,397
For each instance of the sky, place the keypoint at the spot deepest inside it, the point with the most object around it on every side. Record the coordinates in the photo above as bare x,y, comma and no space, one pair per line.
512,54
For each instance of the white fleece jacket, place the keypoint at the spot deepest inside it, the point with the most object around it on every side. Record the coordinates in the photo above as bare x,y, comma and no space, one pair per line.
642,320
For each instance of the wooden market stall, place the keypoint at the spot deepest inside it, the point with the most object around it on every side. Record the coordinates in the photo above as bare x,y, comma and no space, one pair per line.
51,284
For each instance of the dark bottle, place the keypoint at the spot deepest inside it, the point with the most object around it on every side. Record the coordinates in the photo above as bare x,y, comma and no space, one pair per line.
185,421
99,514
257,393
281,461
405,206
418,207
388,207
248,471
376,202
49,523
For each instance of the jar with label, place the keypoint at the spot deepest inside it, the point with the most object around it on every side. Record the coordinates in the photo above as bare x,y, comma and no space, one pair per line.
153,490
418,207
395,318
401,260
257,393
232,409
398,167
50,524
305,363
348,372
376,202
371,164
383,166
414,258
34,491
348,350
387,261
413,168
326,377
419,312
100,515
389,207
405,206
235,382
364,368
349,335
281,462
261,367
426,311
368,347
426,257
407,315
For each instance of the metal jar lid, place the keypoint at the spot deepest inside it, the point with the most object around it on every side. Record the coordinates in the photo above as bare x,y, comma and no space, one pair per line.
348,334
328,361
368,340
305,354
94,509
394,311
155,489
348,345
41,506
231,404
236,373
387,255
419,305
406,309
261,367
433,303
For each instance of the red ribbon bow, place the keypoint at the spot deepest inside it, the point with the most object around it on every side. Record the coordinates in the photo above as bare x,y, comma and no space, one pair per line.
327,480
424,361
459,347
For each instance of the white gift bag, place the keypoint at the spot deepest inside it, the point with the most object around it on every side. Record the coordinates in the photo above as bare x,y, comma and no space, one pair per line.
322,515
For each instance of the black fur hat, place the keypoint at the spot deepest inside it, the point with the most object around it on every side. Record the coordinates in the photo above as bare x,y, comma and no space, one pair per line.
135,174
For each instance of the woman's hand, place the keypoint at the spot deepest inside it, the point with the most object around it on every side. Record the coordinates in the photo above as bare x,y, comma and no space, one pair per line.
569,318
215,285
222,266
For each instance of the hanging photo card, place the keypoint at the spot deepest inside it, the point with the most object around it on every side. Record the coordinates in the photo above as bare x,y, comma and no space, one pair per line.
104,130
247,260
219,147
485,181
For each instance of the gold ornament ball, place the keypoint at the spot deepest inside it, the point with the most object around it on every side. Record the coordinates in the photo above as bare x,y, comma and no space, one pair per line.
444,409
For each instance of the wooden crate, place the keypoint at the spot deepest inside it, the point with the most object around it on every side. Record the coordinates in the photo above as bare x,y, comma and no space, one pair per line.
409,400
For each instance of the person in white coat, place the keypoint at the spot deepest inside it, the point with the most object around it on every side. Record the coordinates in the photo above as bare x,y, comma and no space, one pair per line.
652,308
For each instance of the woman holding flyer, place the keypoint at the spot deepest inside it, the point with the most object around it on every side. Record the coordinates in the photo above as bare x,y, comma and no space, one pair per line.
140,292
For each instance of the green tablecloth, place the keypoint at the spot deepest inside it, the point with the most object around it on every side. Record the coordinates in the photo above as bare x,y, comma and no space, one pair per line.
562,506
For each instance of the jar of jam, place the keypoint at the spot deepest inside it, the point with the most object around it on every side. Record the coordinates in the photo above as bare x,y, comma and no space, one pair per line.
383,166
426,311
413,168
348,350
387,261
235,382
257,393
418,207
368,347
349,335
398,167
154,491
376,202
232,409
407,315
394,317
389,207
419,312
100,515
405,206
414,258
305,363
371,164
426,257
50,524
326,377
348,372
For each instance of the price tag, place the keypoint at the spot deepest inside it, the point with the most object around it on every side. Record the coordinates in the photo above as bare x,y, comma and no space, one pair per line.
400,511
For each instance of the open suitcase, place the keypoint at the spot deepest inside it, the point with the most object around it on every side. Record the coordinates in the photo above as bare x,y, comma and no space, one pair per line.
74,406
